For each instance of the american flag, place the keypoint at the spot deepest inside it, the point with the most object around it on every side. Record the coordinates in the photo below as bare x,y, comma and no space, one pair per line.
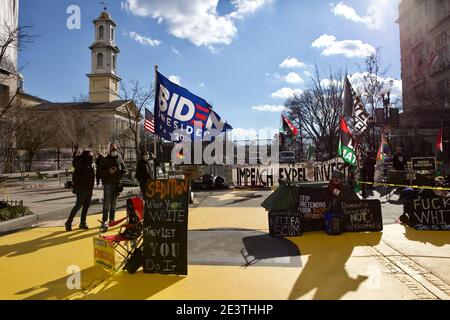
149,123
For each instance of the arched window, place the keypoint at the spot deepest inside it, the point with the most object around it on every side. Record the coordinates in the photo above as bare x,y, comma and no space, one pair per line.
100,32
100,60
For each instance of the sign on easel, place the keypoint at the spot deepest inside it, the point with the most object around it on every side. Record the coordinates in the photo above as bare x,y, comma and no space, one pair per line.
104,254
166,226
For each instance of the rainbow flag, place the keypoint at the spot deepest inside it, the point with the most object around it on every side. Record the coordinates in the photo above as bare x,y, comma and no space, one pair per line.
384,150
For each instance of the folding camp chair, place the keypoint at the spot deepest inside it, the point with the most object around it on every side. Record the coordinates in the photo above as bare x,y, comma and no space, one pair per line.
129,237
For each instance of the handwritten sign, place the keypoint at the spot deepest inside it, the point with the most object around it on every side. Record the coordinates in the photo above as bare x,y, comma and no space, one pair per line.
419,164
312,205
284,224
431,213
104,254
364,215
165,226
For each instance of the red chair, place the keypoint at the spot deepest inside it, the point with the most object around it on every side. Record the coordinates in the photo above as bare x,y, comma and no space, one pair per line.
130,234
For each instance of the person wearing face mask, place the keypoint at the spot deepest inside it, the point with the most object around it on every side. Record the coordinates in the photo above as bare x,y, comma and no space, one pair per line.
112,169
144,170
83,184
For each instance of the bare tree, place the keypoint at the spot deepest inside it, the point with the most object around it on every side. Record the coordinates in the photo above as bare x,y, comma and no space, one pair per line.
11,38
76,128
140,97
34,131
316,111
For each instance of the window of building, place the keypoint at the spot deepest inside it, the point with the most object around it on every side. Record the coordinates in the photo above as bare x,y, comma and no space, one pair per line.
112,34
101,32
114,61
441,40
443,85
100,59
441,9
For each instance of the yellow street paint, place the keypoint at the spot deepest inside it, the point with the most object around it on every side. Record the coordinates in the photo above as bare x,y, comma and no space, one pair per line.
34,264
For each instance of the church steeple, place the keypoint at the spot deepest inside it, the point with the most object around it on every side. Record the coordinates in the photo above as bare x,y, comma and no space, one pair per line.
103,79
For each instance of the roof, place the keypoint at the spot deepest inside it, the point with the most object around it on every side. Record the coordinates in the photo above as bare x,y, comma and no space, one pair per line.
80,105
105,16
31,97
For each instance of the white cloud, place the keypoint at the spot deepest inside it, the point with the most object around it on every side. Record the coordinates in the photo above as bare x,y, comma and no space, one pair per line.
175,51
175,79
307,73
293,77
327,82
202,84
146,41
245,7
357,81
267,74
291,63
269,108
372,20
348,48
286,93
195,20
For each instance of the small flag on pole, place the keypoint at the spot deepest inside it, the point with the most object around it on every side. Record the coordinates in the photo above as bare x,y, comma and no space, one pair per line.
347,98
347,144
149,123
288,124
439,146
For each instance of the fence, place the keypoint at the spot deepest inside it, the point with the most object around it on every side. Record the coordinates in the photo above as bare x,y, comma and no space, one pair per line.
12,203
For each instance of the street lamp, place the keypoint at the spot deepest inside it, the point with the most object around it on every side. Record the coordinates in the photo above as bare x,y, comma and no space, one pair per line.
386,96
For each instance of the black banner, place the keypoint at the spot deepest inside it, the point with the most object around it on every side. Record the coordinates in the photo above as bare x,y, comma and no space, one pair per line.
165,226
284,224
364,215
419,164
431,213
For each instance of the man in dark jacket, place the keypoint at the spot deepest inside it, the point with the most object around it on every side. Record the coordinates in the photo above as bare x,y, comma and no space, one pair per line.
83,183
98,162
112,169
145,170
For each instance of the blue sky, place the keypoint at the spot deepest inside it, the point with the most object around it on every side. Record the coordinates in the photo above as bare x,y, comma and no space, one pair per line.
228,52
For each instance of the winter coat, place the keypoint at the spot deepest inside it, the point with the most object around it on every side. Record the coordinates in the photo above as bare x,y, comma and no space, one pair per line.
144,172
83,176
109,162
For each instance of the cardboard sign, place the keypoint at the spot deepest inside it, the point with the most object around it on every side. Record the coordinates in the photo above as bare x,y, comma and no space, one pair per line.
430,213
419,164
364,215
165,226
284,224
104,254
312,205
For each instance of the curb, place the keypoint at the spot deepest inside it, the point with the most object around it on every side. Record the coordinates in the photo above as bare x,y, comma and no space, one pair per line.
28,221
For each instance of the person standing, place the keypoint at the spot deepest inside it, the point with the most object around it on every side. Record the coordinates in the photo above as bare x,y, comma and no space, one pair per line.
399,160
112,170
145,170
83,184
98,162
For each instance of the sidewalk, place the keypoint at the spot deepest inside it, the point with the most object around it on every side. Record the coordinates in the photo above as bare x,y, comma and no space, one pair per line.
232,257
48,200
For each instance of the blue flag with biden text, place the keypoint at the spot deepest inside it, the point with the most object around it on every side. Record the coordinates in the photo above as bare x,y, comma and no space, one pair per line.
182,116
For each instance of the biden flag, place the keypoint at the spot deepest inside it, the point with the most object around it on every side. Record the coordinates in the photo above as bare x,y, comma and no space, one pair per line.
183,116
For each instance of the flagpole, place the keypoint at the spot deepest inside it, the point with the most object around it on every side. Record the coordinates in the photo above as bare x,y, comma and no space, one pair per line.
155,138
